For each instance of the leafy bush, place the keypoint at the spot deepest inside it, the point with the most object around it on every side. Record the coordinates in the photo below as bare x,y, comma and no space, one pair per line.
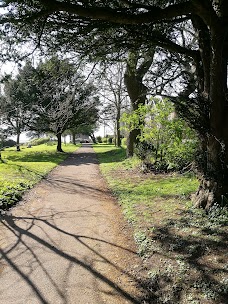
165,141
143,150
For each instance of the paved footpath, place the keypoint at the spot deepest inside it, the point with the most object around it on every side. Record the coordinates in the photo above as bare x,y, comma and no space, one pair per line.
66,242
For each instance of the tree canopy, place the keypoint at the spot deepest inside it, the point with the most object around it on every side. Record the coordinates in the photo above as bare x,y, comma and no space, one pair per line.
17,101
49,98
193,33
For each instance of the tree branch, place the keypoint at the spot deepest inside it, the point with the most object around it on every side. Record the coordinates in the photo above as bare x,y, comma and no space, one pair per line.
153,14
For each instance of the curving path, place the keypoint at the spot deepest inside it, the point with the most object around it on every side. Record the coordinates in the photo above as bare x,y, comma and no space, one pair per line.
66,242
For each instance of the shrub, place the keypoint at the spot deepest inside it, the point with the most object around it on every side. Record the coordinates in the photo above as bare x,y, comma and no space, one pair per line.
99,139
39,141
165,140
8,143
51,143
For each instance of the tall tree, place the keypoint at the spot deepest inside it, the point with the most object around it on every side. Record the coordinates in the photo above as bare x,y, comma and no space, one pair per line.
3,136
203,100
64,99
114,95
16,101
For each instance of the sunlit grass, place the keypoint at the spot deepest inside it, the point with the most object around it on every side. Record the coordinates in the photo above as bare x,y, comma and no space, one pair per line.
169,192
21,170
109,154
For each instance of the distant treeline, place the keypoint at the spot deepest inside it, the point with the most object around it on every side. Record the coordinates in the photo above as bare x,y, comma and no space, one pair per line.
7,143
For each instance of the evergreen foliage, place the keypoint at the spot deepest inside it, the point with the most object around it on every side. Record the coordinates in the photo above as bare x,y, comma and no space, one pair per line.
191,42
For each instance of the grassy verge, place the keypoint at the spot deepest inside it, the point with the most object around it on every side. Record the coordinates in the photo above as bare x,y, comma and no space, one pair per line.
21,170
184,251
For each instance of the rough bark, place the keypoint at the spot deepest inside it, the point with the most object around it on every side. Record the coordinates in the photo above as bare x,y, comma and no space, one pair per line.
213,185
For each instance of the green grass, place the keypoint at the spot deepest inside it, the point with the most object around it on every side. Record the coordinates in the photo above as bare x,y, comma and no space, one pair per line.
21,170
183,250
140,190
109,154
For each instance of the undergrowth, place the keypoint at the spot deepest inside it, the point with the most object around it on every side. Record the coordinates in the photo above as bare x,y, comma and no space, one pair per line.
183,250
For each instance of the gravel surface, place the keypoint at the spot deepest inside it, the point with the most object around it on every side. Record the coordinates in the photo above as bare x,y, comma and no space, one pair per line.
67,242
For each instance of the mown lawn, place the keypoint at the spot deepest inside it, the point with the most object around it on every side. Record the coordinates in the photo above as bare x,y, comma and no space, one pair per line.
184,251
21,170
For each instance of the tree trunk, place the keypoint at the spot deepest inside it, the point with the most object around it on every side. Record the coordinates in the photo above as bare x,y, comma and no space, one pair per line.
93,138
74,138
133,79
118,135
18,142
59,142
137,93
132,139
213,185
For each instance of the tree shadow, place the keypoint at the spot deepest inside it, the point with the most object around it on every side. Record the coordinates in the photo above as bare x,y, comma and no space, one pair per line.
80,158
75,186
35,156
28,242
32,237
189,261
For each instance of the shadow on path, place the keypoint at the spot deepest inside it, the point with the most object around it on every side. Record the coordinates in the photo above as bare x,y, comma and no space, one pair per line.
37,236
10,222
